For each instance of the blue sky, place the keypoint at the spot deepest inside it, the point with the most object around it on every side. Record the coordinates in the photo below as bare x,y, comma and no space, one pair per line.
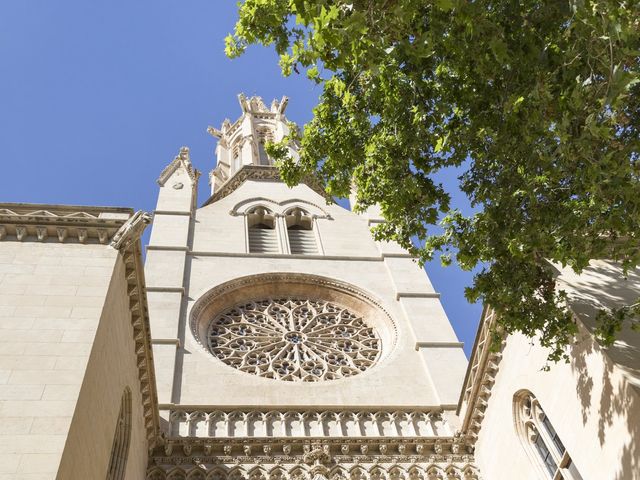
97,97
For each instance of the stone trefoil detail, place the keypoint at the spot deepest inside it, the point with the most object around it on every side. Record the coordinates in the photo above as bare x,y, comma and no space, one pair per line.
293,339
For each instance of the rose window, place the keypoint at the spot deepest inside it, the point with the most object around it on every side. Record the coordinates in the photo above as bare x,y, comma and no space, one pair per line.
293,339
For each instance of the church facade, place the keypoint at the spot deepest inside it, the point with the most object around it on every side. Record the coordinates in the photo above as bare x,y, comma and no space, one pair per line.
269,337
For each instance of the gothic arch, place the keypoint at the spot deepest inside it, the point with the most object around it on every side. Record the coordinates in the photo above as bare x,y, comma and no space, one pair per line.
121,439
176,473
539,438
217,474
196,474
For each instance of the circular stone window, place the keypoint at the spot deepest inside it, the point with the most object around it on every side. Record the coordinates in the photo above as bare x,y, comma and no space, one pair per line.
293,339
293,327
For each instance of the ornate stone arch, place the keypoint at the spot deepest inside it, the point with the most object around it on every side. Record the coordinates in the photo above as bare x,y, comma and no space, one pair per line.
176,473
235,295
197,474
121,439
539,438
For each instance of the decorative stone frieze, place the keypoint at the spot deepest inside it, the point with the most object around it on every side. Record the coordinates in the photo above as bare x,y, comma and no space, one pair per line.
312,461
290,423
32,222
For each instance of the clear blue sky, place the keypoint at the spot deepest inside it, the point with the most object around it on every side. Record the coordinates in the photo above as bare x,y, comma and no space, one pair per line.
97,97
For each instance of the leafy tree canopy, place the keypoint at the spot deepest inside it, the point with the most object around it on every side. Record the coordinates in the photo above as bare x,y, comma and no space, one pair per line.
538,100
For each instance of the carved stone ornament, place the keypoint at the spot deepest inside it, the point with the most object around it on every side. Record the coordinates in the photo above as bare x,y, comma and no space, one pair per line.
293,339
131,230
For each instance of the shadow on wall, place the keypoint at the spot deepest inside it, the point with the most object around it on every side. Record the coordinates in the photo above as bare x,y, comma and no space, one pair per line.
604,286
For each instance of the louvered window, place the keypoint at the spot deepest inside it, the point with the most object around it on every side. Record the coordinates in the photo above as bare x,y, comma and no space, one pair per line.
302,241
263,239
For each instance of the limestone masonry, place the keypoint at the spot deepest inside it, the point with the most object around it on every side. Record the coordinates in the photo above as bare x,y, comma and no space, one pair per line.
269,337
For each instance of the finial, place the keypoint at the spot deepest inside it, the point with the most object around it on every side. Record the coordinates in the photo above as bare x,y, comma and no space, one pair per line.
243,102
184,154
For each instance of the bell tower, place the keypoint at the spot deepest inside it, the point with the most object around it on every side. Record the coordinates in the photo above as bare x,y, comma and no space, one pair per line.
287,342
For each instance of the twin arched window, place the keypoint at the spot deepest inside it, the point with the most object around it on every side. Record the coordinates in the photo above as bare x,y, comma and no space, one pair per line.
297,229
540,439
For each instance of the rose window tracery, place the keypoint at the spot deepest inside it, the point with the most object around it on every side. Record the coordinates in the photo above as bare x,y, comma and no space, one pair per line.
293,339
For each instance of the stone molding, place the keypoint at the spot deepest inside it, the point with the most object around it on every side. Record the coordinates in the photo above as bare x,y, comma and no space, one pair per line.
131,252
241,207
318,283
286,255
183,159
480,377
343,422
60,223
255,172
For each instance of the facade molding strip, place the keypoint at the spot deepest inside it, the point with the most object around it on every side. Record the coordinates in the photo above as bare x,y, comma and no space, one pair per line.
285,256
400,295
186,213
166,289
420,345
171,248
165,341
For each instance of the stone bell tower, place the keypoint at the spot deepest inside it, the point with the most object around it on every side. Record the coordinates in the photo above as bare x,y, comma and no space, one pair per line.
287,342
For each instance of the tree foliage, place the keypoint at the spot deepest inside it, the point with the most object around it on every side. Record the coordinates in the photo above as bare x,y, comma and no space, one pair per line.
538,100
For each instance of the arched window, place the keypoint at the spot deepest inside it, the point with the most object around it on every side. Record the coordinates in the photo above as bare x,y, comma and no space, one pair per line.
302,238
262,231
236,157
264,136
540,439
121,439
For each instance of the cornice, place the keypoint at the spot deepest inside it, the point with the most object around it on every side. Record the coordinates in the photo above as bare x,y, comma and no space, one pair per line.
255,172
127,242
480,377
61,223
